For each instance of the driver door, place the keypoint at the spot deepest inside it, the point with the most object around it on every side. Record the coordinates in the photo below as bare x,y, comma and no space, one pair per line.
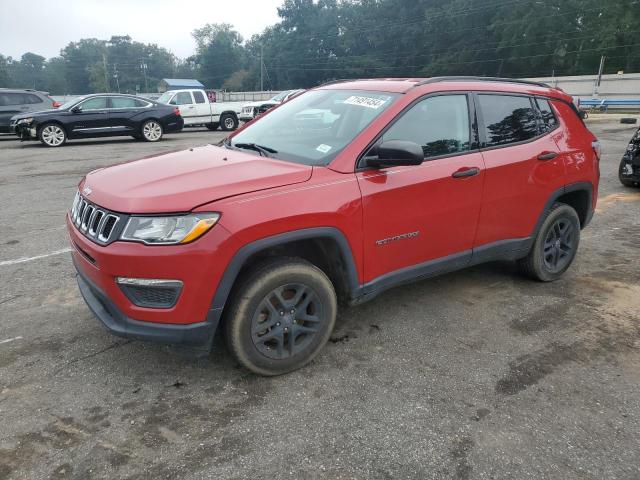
92,117
422,219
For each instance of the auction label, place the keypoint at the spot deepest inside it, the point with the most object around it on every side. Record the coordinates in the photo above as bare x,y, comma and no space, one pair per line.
365,101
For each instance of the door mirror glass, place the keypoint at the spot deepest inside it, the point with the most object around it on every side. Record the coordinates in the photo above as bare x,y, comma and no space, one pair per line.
393,153
76,109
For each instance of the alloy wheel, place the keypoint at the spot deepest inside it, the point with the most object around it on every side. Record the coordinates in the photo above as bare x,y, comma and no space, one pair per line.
286,321
229,123
558,245
152,131
53,135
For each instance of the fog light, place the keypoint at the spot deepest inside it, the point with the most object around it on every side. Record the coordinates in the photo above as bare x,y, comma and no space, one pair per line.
150,292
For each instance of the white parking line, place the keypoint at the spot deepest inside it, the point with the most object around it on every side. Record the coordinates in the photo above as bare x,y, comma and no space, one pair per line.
10,340
5,263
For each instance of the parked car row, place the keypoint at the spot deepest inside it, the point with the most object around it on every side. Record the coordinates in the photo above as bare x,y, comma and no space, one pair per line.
33,115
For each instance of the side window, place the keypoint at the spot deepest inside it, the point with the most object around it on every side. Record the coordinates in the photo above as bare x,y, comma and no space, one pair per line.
549,121
439,124
123,102
11,99
507,119
141,103
96,103
182,98
31,98
198,97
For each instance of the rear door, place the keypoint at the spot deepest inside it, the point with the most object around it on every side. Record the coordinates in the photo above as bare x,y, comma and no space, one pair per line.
124,114
423,218
523,167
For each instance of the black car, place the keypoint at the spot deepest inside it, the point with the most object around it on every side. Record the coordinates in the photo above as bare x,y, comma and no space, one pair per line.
99,115
629,172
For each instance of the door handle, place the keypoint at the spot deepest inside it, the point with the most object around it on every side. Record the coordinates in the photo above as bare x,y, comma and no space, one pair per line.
466,172
544,156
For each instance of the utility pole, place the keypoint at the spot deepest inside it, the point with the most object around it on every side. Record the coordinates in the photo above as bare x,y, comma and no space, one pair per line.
106,73
261,68
143,65
115,75
596,86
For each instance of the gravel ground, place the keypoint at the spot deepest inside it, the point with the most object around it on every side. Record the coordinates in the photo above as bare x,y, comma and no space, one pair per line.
479,374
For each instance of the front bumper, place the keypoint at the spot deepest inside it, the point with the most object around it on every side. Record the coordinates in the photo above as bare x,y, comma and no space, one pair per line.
194,334
630,167
24,132
191,321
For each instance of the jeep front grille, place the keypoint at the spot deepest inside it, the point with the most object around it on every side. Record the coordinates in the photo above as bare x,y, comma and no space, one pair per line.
94,222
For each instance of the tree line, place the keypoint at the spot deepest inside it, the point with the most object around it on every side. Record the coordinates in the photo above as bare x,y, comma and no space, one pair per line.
319,40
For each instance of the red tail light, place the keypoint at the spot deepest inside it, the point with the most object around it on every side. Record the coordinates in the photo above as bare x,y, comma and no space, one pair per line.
176,110
56,104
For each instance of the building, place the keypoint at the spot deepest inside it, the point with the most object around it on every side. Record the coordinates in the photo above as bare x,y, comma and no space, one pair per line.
177,84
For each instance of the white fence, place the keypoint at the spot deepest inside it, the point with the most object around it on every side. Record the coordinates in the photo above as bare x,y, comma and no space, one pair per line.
624,86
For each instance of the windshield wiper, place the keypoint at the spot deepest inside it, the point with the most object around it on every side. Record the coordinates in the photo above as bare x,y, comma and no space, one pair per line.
264,151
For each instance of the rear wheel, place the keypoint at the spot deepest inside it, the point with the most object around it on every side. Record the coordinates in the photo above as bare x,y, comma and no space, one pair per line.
282,315
228,122
213,126
152,131
555,245
52,135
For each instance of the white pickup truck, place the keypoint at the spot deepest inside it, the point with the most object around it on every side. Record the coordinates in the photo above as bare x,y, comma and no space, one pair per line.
199,107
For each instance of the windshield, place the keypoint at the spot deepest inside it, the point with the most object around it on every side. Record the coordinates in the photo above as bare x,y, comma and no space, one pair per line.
314,127
279,97
70,103
164,98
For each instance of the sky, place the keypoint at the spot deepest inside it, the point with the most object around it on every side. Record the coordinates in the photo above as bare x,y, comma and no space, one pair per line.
46,26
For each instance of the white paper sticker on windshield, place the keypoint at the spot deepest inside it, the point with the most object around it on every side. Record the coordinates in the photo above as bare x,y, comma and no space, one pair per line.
323,148
365,101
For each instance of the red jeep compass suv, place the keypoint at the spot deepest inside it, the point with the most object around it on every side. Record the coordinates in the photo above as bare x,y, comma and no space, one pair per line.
346,190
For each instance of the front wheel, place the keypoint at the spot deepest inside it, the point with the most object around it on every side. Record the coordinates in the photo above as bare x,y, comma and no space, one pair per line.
152,131
228,122
52,135
282,315
555,246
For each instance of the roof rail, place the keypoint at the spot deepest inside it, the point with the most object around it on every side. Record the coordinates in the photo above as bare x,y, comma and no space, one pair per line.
338,80
485,79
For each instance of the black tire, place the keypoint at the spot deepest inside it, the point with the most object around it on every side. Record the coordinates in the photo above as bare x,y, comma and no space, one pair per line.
228,122
152,131
212,126
621,175
629,120
52,135
555,246
258,329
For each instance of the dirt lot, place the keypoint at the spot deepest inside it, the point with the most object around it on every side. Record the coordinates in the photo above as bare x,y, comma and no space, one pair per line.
479,374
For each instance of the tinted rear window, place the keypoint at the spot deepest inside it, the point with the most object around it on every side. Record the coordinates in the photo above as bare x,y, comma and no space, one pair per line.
508,119
199,97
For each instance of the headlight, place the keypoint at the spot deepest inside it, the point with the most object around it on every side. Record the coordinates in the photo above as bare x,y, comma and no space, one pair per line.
25,121
169,230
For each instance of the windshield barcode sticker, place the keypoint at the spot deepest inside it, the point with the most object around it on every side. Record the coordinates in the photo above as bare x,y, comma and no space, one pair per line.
323,148
365,101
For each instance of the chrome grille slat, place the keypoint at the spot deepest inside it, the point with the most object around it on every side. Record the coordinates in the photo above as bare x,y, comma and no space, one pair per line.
95,223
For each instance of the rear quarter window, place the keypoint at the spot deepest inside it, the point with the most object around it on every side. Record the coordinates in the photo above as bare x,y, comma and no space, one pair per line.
31,98
507,119
548,119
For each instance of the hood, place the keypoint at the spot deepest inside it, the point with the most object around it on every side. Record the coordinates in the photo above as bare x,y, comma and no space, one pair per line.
180,181
36,114
259,104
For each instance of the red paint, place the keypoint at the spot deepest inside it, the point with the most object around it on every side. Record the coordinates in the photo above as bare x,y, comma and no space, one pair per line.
259,197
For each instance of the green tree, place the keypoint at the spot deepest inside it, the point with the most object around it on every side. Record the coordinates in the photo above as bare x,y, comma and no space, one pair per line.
219,53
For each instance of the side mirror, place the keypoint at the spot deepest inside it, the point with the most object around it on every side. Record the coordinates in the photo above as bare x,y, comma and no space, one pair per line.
394,153
76,109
